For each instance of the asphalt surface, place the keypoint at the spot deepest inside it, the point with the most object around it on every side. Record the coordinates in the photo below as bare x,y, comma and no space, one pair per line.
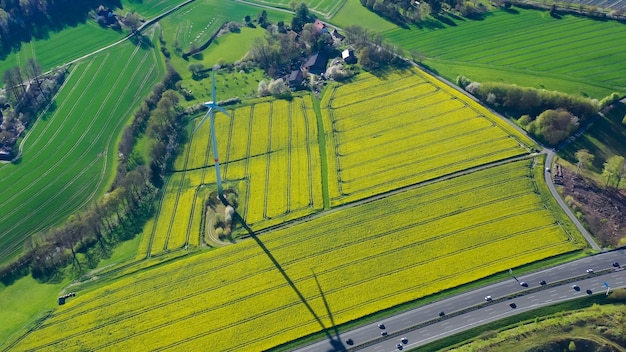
536,296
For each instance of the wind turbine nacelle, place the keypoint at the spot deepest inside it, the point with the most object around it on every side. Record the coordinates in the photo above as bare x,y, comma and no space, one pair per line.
209,104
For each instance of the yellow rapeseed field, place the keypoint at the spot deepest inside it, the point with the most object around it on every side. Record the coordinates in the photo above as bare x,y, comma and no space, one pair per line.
271,146
386,133
489,220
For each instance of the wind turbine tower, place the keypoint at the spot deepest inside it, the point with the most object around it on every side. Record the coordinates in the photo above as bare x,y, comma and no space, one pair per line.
212,105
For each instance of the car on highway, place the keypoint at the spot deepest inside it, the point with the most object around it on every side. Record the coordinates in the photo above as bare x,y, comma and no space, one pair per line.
523,284
383,333
488,299
616,265
513,305
575,287
441,314
399,346
404,340
589,292
381,326
589,271
542,282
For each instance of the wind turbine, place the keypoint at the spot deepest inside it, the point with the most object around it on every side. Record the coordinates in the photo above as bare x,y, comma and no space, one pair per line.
212,105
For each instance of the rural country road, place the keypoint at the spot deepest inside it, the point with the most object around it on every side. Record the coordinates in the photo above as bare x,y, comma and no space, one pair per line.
430,327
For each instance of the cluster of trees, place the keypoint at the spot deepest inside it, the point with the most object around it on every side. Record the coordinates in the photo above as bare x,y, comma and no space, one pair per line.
21,20
549,115
613,171
284,46
402,12
372,50
124,209
27,91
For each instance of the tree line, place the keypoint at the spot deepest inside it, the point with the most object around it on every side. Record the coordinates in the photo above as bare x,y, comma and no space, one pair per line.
91,234
26,92
550,116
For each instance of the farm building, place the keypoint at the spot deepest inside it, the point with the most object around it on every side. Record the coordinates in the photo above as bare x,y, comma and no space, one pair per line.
316,63
335,33
295,79
348,56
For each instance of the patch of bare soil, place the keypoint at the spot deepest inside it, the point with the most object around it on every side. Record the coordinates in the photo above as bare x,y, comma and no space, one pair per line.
604,211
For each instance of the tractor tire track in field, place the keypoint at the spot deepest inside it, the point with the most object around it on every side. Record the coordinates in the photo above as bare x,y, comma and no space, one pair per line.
40,151
157,216
400,116
290,156
247,167
267,162
70,152
417,134
71,132
416,149
178,192
336,144
308,151
413,175
231,128
94,190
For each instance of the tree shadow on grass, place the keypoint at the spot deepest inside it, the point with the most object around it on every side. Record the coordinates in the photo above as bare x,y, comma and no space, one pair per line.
335,341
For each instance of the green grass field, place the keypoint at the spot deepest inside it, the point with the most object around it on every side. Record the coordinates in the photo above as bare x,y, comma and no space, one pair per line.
490,220
69,155
525,47
353,13
406,128
62,47
326,8
228,48
148,8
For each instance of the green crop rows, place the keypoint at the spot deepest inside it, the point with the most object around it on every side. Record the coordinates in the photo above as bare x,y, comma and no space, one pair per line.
327,8
572,54
70,153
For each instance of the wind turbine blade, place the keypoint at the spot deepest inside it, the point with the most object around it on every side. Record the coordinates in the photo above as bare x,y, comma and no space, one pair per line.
219,108
213,89
202,121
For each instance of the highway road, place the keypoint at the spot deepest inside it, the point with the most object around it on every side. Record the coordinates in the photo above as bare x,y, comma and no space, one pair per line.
430,327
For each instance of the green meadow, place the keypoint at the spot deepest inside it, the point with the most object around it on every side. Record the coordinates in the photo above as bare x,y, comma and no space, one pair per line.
526,47
62,47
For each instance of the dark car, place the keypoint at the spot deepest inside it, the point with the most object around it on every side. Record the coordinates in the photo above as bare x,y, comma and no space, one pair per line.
513,305
542,282
616,265
383,333
441,314
523,284
399,346
350,342
576,288
404,340
381,326
589,292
